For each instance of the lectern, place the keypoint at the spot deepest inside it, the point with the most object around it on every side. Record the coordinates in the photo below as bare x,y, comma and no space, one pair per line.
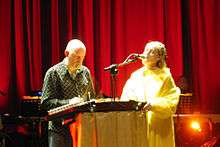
110,125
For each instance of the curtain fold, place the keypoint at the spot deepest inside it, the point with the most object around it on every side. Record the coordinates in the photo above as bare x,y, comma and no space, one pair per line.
173,37
20,52
69,10
85,25
55,32
34,44
6,52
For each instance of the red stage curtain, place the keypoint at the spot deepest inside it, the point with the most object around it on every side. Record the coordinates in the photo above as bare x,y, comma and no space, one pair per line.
34,34
5,55
119,28
205,34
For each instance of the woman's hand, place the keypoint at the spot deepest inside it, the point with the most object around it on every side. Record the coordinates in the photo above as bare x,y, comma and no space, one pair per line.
147,107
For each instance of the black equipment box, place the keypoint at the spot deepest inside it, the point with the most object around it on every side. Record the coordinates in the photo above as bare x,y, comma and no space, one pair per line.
31,106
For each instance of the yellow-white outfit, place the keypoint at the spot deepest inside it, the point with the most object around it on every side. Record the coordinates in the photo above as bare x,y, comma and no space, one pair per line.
156,87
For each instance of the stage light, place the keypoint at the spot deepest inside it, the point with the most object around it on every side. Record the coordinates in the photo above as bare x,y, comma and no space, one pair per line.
192,131
195,125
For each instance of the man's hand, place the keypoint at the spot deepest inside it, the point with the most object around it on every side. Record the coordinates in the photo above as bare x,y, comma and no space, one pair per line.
75,100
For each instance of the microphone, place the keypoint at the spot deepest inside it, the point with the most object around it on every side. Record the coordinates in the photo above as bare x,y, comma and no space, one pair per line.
140,56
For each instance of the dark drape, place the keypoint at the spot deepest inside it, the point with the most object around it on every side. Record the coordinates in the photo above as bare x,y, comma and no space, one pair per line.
34,34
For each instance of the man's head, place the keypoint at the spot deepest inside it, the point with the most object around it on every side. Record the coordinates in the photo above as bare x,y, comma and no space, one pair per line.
155,53
75,52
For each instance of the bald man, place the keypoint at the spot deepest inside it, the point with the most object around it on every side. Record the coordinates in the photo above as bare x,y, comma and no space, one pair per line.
64,83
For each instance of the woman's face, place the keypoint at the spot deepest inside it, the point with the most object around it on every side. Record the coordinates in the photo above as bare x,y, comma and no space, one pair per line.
152,57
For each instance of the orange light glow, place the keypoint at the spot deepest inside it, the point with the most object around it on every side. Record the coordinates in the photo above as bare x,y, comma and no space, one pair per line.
196,126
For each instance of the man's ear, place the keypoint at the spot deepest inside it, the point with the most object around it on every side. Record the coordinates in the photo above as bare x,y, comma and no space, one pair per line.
66,53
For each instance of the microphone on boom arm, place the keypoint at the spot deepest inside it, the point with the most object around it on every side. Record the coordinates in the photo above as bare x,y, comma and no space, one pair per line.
127,61
139,56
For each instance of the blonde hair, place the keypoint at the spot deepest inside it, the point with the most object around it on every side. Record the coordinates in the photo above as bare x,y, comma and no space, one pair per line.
160,48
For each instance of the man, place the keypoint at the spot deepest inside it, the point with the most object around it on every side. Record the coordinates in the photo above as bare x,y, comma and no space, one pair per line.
154,84
64,83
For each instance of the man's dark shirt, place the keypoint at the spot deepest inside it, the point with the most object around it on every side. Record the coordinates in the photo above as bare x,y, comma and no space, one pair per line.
59,87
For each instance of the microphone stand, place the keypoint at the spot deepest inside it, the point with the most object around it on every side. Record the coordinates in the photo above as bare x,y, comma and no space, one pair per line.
114,71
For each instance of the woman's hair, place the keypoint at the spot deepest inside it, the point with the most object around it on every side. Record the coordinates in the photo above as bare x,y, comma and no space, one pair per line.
160,48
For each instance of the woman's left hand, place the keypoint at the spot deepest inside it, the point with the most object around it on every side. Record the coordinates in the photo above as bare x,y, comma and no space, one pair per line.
147,107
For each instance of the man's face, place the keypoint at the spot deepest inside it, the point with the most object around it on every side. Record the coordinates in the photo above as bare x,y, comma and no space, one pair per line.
76,58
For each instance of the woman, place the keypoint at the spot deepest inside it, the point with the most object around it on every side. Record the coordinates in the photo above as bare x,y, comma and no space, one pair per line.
154,84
